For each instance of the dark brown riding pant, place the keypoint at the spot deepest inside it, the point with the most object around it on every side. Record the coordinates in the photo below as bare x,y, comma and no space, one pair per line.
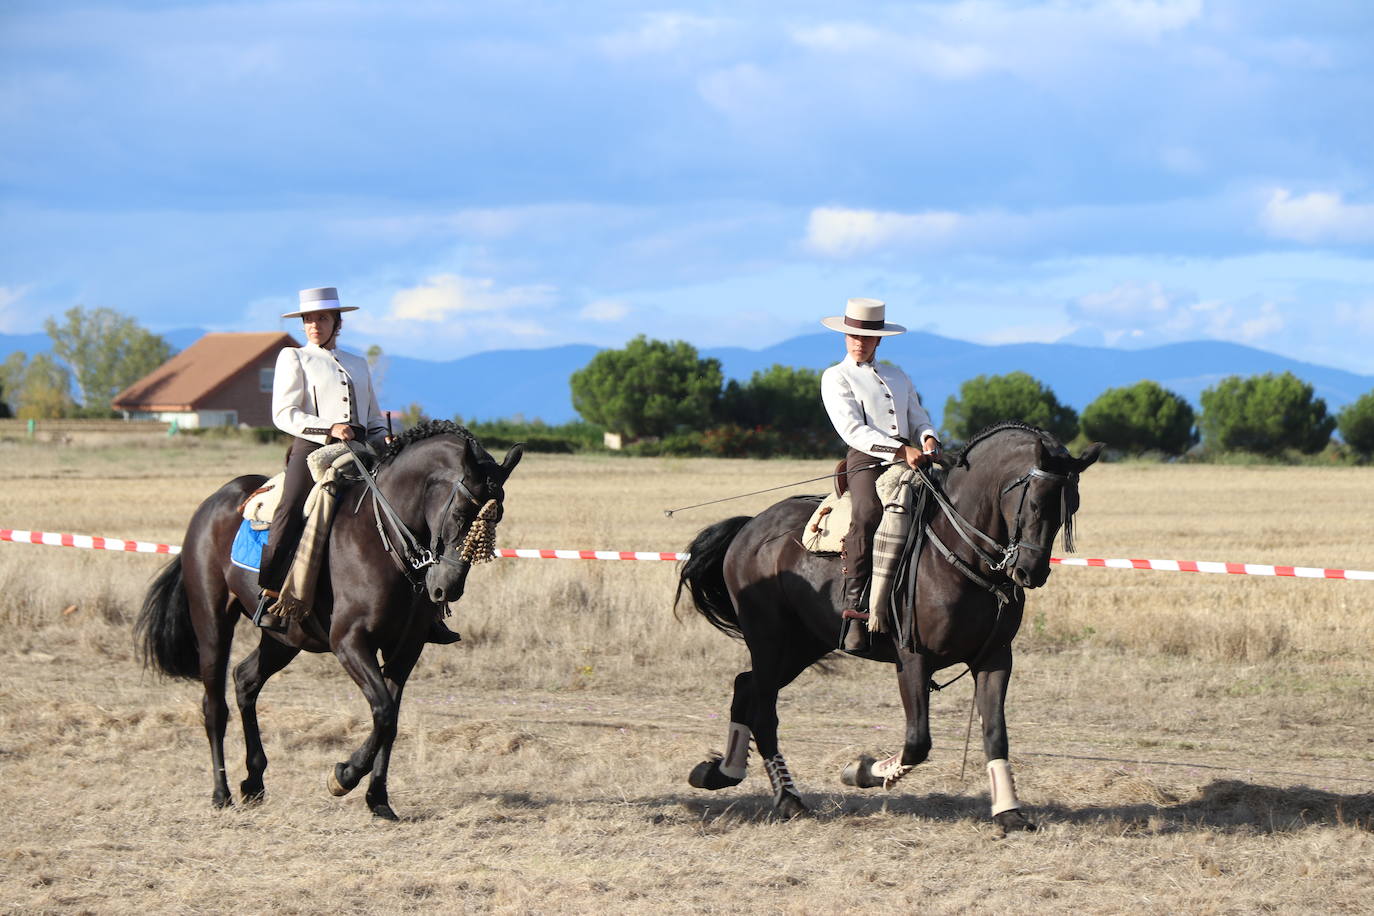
866,512
287,522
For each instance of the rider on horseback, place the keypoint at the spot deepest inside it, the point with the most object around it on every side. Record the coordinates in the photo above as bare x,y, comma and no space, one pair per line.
878,414
320,395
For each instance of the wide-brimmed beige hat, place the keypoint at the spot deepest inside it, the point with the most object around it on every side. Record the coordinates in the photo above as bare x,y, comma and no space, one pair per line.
865,317
320,299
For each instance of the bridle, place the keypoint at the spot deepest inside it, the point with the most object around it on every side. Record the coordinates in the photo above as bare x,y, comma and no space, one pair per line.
997,557
415,559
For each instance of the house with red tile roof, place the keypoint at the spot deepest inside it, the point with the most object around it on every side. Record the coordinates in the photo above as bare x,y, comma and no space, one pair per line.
223,379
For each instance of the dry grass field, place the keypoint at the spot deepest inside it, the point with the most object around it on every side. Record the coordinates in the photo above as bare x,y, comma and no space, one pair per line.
1188,743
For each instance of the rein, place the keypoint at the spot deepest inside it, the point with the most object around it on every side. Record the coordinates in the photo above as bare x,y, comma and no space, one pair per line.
967,531
412,557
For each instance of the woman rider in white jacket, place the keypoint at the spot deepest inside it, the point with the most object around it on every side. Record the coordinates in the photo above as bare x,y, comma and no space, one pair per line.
878,414
320,394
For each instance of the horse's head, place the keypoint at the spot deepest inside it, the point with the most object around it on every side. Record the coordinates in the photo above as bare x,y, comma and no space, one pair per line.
452,492
463,503
1037,501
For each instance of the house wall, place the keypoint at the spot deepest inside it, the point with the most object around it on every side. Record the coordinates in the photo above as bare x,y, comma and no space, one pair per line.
186,419
243,394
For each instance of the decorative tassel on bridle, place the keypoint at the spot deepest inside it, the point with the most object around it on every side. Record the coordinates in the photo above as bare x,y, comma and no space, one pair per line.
480,544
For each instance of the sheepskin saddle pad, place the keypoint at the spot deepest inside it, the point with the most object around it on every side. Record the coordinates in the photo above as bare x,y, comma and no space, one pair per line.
825,530
262,502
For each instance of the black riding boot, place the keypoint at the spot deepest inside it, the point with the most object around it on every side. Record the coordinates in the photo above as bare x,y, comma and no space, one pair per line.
439,633
854,632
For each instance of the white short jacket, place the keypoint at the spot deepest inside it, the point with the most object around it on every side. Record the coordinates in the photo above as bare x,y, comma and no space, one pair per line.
314,388
874,407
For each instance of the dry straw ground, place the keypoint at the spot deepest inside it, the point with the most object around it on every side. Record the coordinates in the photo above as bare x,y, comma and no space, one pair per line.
1188,743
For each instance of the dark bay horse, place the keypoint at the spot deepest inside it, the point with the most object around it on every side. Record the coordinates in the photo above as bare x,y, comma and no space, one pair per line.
752,578
439,480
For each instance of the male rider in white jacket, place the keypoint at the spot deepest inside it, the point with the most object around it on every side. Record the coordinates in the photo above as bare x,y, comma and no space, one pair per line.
879,415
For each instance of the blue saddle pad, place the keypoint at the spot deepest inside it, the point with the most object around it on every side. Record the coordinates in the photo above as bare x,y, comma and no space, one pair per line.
248,544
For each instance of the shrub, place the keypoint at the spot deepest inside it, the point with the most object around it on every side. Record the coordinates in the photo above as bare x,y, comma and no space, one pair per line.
1140,418
1266,414
1356,423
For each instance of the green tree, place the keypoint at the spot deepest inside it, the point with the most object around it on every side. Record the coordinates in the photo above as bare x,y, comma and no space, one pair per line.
989,399
1356,423
1139,418
781,397
11,380
377,364
650,388
105,351
41,388
1266,414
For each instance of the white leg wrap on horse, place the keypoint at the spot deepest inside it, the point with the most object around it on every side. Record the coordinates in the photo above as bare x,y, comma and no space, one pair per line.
736,760
891,770
780,777
1003,787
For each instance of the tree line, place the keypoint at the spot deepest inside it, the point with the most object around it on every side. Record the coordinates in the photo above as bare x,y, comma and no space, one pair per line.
96,353
668,400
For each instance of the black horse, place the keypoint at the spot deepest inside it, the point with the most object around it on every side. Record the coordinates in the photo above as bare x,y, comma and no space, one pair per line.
1012,489
442,485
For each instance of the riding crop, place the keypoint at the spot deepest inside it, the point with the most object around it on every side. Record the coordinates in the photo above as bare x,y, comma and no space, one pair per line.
724,499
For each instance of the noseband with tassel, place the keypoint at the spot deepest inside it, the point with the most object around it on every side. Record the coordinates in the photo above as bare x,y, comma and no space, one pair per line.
480,544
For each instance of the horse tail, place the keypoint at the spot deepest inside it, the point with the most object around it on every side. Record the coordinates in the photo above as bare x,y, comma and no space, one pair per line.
703,575
166,639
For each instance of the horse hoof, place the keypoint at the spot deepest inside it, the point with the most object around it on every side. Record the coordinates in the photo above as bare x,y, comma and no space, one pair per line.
383,812
707,775
223,802
859,774
1008,821
790,806
252,793
336,786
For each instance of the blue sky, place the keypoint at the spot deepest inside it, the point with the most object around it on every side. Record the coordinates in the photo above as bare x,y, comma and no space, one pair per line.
525,174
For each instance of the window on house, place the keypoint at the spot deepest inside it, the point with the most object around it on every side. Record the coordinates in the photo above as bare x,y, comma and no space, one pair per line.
265,379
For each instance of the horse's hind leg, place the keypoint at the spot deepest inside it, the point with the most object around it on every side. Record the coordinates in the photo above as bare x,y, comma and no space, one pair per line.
776,666
721,771
214,637
991,679
251,674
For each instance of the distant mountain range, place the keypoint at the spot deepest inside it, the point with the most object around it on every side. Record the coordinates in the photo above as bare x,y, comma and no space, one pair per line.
534,383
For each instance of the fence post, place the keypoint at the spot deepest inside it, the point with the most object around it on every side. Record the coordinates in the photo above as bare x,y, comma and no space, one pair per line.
31,426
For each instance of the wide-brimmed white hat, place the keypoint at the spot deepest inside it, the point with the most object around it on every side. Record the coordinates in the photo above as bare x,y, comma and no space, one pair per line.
320,299
865,317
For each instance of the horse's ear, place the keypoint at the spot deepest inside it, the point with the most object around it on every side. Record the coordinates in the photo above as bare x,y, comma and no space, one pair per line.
1089,456
517,451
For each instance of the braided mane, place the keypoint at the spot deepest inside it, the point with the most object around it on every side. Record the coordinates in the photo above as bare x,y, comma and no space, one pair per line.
1053,444
428,430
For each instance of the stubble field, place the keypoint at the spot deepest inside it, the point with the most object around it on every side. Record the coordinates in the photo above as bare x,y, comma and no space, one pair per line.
1187,743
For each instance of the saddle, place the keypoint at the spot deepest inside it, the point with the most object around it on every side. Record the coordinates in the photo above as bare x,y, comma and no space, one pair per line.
327,465
260,505
825,530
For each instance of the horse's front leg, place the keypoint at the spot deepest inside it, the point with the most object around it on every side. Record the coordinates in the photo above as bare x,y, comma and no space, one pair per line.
913,677
398,666
360,661
991,678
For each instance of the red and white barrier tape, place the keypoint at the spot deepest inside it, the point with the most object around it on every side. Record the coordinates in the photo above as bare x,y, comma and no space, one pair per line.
90,542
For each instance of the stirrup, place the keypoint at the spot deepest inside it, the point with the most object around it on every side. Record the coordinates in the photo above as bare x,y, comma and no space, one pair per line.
854,637
264,619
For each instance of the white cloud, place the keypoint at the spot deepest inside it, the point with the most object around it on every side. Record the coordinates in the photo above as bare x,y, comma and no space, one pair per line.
840,232
604,310
446,295
1319,216
12,314
658,33
1147,314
